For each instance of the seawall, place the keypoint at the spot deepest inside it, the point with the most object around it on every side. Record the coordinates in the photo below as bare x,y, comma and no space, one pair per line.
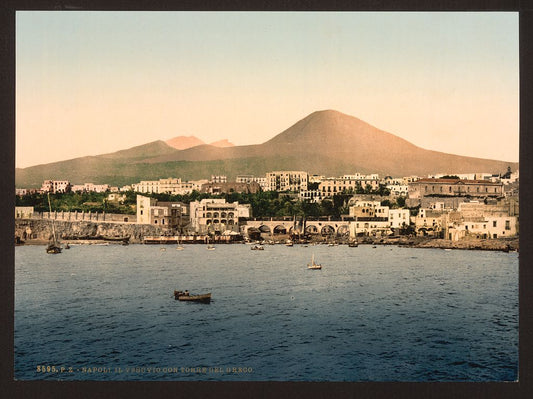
36,231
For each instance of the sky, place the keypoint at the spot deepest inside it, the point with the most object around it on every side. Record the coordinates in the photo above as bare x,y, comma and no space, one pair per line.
91,82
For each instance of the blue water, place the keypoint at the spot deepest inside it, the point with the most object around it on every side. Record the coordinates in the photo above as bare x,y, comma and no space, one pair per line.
371,314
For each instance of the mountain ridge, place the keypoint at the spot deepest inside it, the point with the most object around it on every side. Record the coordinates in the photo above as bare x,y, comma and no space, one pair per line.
323,141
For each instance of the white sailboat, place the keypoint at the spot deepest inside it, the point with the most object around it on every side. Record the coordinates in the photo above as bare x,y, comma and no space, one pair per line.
313,265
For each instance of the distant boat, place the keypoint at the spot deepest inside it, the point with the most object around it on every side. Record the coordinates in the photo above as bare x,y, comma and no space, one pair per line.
257,248
53,246
353,244
313,265
179,247
186,297
289,243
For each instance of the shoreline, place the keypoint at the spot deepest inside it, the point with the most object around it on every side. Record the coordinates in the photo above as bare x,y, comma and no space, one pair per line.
505,245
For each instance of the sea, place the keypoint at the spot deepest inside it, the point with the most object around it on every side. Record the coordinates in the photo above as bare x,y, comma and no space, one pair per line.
384,313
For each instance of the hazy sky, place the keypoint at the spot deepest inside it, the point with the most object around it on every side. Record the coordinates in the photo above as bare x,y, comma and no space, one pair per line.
90,83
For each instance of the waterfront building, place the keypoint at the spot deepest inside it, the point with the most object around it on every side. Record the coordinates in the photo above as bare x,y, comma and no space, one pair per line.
55,186
280,181
21,191
215,215
399,218
483,228
171,215
370,226
454,188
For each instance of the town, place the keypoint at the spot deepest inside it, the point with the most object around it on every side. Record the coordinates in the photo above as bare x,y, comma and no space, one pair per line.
454,207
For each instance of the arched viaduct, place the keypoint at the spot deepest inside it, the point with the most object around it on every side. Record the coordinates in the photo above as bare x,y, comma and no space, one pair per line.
321,227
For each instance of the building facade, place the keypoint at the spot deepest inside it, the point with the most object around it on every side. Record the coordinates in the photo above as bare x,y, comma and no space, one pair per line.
455,188
216,216
280,181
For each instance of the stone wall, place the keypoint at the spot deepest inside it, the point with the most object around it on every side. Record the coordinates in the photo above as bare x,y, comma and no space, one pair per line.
41,230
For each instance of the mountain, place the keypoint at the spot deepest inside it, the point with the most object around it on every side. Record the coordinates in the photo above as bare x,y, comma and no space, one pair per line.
222,143
325,142
184,142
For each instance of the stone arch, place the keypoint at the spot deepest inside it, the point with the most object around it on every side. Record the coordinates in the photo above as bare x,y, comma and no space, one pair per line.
311,229
280,229
343,230
327,230
264,228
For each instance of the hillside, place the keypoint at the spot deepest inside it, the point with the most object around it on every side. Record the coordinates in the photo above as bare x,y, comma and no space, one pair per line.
325,142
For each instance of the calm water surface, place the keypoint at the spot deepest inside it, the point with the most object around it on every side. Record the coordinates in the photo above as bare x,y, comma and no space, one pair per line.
371,314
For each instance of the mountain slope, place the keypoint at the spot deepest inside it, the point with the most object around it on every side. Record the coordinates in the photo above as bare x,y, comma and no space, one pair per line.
325,142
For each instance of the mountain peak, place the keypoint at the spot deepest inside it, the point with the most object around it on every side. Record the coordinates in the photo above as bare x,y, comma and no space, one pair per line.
222,143
184,142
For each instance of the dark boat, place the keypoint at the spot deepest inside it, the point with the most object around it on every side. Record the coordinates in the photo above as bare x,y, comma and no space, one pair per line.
53,247
116,238
186,297
353,244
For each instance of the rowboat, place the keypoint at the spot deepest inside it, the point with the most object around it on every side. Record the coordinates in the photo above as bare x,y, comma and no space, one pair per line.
185,296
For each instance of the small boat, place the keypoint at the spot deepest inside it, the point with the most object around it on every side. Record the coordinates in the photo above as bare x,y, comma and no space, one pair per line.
353,244
257,248
67,246
185,296
313,265
179,247
289,243
210,247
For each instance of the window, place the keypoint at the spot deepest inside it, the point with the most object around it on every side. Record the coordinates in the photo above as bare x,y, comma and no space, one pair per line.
494,223
507,225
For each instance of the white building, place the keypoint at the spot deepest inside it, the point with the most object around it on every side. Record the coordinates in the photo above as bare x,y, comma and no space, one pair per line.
174,186
55,186
90,187
280,181
165,214
398,218
398,190
348,183
216,215
487,227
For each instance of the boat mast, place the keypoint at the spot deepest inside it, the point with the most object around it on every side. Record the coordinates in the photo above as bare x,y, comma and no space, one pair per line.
53,227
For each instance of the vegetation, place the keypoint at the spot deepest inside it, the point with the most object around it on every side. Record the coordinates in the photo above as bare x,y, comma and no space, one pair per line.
263,204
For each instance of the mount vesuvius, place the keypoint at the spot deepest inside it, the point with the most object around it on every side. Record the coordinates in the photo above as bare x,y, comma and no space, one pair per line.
325,142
